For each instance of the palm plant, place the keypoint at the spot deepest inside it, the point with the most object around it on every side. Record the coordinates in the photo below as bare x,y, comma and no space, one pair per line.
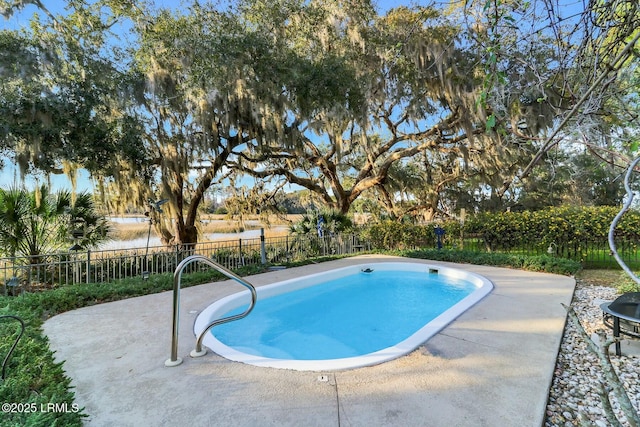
326,225
38,222
13,208
330,221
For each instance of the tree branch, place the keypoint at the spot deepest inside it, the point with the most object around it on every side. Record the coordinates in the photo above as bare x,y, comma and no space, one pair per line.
550,141
307,183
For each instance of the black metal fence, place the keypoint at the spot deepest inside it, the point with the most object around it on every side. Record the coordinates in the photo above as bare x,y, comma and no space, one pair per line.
591,253
19,274
45,271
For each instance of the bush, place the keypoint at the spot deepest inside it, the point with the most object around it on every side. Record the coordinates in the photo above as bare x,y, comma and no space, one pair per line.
541,263
626,284
568,227
391,235
32,376
331,222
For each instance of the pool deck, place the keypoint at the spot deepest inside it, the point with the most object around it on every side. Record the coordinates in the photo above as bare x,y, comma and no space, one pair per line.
492,366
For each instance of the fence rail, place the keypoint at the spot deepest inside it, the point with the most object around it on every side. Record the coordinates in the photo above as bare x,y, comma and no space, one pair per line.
20,274
591,253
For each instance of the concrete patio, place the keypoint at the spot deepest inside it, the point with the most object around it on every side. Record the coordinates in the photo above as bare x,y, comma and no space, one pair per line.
491,367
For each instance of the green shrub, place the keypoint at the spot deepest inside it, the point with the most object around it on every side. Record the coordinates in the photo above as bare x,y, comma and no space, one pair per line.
541,263
568,227
330,221
626,284
391,235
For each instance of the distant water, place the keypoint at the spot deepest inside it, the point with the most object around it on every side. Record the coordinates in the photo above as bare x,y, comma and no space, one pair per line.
141,242
140,219
127,219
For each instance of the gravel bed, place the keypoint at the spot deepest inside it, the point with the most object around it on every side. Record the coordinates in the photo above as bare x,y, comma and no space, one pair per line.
573,397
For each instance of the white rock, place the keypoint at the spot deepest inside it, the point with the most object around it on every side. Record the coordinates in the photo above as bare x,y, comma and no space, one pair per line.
578,372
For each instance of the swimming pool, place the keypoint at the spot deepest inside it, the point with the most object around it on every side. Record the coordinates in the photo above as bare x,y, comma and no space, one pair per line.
344,318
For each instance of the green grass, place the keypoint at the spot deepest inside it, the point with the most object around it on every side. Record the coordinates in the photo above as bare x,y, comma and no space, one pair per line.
599,277
33,377
592,256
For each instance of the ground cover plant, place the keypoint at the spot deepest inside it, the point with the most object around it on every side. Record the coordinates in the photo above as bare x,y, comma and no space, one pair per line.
542,263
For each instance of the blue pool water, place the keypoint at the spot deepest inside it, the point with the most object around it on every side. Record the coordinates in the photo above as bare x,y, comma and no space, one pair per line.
354,315
343,318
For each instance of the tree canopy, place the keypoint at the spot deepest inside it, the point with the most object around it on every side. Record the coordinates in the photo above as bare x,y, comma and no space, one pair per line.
408,107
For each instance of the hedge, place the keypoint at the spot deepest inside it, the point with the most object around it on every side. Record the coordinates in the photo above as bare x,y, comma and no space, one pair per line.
571,229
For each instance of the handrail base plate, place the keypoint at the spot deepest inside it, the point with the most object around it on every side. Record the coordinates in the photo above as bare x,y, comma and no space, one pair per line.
170,363
195,353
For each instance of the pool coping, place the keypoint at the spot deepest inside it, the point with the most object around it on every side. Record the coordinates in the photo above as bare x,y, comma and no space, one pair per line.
217,310
493,365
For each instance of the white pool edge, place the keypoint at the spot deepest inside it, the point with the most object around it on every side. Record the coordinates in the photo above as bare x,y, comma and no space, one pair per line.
483,287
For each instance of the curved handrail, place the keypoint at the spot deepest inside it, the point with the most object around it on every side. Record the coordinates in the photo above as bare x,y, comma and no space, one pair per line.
612,227
177,276
15,343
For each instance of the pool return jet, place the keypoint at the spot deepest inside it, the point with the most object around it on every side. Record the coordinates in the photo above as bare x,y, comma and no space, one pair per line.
177,277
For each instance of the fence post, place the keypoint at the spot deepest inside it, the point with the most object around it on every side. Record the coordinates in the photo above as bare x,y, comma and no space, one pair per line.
263,249
240,252
88,266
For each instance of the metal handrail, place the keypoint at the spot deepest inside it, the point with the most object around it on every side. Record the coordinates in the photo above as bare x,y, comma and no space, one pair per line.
614,223
15,343
177,276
